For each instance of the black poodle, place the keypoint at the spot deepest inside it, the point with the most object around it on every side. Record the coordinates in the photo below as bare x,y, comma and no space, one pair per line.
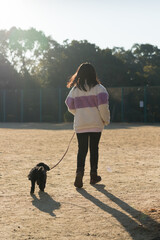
38,174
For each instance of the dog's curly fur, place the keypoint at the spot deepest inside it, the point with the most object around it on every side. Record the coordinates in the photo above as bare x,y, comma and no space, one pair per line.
38,174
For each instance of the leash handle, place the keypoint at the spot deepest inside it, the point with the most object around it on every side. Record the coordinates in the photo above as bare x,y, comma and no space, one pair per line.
64,153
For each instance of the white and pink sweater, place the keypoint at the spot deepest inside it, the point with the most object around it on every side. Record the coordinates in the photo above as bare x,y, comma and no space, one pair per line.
90,108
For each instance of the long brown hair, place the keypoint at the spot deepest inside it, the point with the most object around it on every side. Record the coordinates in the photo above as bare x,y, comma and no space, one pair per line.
85,74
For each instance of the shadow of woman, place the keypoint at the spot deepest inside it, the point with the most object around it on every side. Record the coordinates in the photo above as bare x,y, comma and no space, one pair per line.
142,225
45,203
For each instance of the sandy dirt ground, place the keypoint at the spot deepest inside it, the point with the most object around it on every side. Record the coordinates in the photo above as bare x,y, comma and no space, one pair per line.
125,205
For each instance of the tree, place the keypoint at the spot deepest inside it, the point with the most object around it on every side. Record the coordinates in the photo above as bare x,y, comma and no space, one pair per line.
41,61
9,78
61,61
147,59
24,49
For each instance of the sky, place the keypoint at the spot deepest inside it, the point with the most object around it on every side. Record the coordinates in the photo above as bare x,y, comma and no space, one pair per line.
106,23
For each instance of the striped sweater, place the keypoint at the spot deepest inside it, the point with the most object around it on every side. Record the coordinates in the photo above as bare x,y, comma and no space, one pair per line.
90,108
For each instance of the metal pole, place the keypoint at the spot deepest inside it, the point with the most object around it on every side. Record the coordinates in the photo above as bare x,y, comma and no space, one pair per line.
122,104
4,105
145,104
40,105
21,105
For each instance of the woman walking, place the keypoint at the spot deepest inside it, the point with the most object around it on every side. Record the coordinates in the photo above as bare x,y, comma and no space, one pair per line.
88,102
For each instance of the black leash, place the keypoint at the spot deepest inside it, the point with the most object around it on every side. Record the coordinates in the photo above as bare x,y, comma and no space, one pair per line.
64,153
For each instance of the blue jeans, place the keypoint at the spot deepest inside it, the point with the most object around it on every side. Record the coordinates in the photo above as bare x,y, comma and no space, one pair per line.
90,139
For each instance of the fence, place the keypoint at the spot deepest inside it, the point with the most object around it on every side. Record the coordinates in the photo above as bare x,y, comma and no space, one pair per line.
129,104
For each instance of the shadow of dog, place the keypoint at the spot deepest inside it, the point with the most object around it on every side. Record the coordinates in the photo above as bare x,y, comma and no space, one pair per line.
45,203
